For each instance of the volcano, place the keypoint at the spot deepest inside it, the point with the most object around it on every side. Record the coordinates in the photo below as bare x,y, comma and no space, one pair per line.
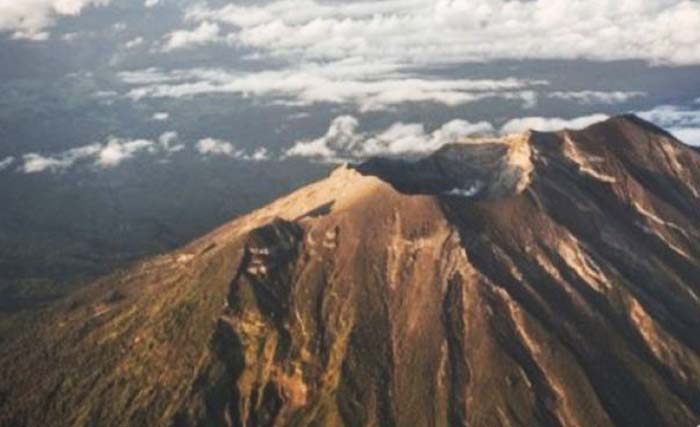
541,279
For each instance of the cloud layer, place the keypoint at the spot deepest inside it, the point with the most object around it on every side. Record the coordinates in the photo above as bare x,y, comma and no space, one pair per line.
597,97
205,33
683,123
368,86
216,147
548,124
30,18
115,151
344,141
6,162
210,147
429,31
377,55
109,154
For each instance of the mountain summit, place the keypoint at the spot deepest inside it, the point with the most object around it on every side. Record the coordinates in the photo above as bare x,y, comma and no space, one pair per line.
543,279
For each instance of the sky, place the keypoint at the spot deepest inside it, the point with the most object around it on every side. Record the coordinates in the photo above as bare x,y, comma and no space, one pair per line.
97,95
485,66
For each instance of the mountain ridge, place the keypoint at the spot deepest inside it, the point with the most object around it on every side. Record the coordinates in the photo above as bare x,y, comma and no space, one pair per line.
561,291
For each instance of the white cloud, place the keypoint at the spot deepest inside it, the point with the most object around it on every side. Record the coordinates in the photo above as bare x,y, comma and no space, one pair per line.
344,140
35,163
546,124
342,136
456,129
259,155
167,142
115,151
528,97
672,116
69,37
133,43
118,150
412,139
29,19
299,116
151,3
378,55
209,147
161,117
6,162
597,97
216,147
167,138
205,33
149,76
368,86
106,94
119,27
690,136
109,154
681,122
439,31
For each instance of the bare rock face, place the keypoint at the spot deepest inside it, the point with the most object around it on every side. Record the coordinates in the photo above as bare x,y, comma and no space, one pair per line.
545,279
487,168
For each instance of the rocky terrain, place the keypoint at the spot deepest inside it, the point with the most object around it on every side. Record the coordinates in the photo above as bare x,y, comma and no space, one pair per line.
543,279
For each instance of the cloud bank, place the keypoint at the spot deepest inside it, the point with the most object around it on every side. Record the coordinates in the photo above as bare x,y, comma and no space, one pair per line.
344,141
430,31
205,33
369,87
115,151
109,154
134,43
6,162
216,147
548,124
682,122
597,97
211,147
377,55
29,19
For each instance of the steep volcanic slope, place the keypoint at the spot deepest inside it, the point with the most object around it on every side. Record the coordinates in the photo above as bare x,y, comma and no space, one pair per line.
540,280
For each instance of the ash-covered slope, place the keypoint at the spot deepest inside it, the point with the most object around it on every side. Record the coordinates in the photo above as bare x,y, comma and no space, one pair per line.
547,279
